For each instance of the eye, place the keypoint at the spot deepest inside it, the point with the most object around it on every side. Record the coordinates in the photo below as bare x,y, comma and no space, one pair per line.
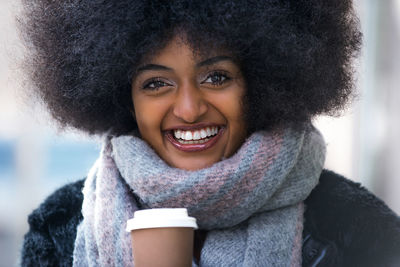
154,84
216,78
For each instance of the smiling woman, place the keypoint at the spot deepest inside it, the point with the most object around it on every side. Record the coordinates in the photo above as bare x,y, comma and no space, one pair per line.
204,105
189,109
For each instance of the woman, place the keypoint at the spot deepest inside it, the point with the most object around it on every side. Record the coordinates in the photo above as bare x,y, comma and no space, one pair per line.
204,105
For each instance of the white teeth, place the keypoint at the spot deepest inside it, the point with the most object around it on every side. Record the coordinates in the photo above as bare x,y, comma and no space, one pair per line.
193,142
185,137
177,134
203,133
188,135
196,135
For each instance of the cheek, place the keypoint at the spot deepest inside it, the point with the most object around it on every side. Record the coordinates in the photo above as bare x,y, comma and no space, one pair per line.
229,105
236,119
147,117
233,108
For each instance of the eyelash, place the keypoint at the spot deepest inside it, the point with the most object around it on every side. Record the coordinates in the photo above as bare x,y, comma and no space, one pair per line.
158,82
220,75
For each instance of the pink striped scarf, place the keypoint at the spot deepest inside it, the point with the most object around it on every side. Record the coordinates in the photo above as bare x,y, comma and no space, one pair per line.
251,203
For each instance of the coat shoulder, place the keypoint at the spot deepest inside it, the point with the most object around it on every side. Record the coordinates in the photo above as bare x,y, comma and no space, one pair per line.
362,228
52,228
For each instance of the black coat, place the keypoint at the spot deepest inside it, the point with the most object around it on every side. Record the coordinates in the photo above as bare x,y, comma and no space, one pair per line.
345,225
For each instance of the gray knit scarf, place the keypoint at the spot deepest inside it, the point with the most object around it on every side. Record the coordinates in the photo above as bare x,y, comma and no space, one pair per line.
251,203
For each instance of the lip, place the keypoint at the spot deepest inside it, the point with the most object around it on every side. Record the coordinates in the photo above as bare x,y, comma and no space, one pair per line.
194,147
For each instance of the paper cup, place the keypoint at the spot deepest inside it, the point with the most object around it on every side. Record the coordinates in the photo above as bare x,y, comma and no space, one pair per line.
162,237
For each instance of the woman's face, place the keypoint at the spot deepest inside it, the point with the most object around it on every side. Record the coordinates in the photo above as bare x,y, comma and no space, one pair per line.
188,108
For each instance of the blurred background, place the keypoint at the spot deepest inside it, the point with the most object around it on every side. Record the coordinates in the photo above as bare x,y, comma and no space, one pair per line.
35,158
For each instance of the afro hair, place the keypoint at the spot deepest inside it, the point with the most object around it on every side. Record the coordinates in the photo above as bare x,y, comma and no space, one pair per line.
296,55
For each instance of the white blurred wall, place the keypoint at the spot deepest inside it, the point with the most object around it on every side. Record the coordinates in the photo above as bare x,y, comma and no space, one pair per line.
364,145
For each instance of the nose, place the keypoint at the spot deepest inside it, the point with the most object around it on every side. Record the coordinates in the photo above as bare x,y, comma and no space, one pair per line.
190,103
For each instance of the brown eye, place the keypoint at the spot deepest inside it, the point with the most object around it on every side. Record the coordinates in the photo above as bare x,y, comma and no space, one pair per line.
216,78
154,84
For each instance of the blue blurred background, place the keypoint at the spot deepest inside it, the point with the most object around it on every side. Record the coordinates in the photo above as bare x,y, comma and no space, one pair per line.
36,157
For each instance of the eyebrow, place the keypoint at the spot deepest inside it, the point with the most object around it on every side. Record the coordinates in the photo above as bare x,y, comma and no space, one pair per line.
213,60
207,62
153,67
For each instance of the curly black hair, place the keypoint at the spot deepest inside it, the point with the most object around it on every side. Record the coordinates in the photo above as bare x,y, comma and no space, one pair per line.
296,55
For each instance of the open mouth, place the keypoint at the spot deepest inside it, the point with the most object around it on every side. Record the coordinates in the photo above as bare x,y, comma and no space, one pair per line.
195,140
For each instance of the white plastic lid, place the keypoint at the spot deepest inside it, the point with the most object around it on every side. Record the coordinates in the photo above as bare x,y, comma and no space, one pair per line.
158,218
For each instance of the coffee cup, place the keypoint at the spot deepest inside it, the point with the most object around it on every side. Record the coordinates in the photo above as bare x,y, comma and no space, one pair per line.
162,237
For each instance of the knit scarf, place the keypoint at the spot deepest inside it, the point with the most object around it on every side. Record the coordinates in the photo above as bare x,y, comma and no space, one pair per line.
251,203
